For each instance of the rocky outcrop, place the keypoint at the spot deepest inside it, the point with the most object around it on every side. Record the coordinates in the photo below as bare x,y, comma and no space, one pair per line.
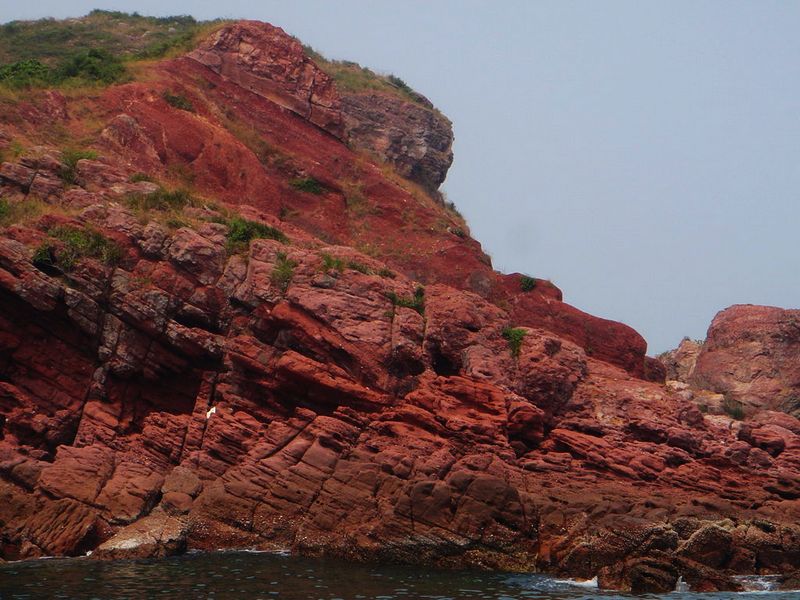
679,363
751,357
413,137
407,133
265,60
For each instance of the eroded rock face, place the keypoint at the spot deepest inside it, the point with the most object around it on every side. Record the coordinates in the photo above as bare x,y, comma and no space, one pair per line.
413,137
752,356
409,133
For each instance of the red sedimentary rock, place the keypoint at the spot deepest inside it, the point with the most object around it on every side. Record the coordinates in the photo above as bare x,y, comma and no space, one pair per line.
752,355
347,390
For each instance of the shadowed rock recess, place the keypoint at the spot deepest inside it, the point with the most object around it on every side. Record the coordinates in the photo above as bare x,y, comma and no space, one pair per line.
308,351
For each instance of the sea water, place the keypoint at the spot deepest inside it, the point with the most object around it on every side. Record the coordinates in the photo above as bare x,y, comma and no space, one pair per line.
254,576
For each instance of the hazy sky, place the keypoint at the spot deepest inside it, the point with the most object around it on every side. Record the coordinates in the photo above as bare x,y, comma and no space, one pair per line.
645,156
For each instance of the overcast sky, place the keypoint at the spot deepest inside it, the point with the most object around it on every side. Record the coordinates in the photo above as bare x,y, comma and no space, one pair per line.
644,156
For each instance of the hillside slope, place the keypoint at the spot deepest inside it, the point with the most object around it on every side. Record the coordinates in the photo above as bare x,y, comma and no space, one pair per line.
236,313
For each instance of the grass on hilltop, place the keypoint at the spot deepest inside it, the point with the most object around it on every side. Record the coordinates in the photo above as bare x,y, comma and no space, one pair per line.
91,50
352,77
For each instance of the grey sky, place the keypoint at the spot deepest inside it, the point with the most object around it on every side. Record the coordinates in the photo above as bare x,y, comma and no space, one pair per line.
645,156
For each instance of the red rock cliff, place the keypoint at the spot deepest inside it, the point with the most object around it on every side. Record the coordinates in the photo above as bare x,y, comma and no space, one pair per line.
357,381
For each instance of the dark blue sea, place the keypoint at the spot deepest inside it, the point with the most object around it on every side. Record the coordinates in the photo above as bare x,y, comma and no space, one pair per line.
254,576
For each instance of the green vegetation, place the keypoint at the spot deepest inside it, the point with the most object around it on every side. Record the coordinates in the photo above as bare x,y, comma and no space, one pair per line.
733,408
24,73
354,199
89,67
307,184
360,267
163,200
14,150
90,50
122,34
333,263
451,207
18,212
242,231
137,177
176,222
416,302
69,162
283,271
71,244
178,101
352,77
399,84
514,337
527,283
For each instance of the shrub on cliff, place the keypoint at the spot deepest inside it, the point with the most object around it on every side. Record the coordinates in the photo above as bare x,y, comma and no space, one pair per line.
241,232
21,212
416,302
307,184
122,34
527,283
178,101
162,199
514,337
71,244
352,77
91,66
283,272
69,163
